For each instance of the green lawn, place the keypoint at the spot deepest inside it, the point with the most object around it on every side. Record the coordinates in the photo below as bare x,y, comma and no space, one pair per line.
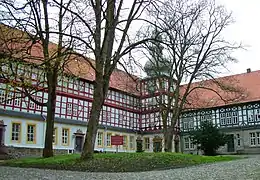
121,162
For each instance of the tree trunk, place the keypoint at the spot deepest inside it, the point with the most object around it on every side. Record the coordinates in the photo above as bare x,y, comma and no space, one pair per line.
92,127
168,137
51,104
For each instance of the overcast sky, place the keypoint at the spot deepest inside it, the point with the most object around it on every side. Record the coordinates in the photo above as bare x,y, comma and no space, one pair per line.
247,30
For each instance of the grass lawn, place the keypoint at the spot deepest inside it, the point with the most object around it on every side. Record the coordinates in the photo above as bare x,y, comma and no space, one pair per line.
121,162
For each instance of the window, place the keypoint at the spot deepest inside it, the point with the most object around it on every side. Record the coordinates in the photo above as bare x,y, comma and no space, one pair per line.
55,138
125,144
252,139
185,125
146,143
17,101
222,118
100,139
238,140
258,138
188,143
235,117
69,108
9,98
109,139
16,132
31,133
38,107
229,119
2,96
65,136
131,142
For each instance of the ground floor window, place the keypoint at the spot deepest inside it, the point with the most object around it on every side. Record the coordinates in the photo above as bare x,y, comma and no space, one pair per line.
188,143
147,143
65,136
131,142
100,139
16,132
254,138
109,139
55,138
238,140
31,133
125,144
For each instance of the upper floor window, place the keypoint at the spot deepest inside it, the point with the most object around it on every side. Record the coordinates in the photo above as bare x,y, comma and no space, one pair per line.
72,109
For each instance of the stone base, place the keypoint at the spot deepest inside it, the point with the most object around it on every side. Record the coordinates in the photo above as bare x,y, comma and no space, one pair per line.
4,153
17,152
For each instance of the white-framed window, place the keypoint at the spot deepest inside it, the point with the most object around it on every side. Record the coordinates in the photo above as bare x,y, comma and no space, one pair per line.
188,143
55,136
69,108
2,96
258,138
238,140
125,142
65,136
229,117
252,139
75,109
223,118
17,101
9,98
185,125
147,143
109,139
16,132
235,117
131,142
100,139
31,133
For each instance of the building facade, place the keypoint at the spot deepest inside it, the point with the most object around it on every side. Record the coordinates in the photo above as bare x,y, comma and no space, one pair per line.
131,109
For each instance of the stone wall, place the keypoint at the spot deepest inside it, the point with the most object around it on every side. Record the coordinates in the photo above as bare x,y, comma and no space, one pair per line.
16,152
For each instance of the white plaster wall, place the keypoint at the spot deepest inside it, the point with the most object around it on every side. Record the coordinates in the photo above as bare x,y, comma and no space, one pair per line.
40,135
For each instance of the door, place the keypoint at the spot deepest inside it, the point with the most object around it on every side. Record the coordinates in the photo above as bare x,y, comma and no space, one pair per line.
231,144
78,143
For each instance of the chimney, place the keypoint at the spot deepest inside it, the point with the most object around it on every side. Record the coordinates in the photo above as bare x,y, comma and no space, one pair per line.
248,70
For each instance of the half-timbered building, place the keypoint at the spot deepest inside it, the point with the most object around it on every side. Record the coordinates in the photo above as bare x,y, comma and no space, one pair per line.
130,110
239,117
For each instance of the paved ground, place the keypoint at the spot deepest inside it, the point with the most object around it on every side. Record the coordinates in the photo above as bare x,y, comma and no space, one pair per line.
245,169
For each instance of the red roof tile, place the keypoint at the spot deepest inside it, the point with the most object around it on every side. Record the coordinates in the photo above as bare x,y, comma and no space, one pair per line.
74,65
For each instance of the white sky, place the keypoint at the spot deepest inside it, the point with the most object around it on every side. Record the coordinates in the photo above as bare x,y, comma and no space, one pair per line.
246,29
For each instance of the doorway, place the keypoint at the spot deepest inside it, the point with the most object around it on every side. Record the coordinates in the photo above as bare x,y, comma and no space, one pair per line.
231,143
78,143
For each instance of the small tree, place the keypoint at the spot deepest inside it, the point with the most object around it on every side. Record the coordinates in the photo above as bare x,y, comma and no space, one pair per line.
209,138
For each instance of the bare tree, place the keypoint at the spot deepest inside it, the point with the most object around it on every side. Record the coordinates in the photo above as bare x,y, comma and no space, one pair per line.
102,30
26,35
189,47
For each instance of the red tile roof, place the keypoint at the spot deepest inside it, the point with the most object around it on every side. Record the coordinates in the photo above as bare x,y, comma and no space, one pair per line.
75,65
239,88
232,89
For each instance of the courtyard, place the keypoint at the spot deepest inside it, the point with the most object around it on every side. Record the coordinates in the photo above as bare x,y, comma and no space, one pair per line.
243,169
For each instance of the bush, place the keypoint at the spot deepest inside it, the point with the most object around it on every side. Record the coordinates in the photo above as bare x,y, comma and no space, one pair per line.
209,138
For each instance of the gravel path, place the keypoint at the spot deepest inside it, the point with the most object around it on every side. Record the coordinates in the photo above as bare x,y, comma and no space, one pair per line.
245,169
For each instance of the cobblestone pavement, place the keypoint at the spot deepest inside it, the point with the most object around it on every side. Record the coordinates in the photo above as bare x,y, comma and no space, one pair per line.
245,169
